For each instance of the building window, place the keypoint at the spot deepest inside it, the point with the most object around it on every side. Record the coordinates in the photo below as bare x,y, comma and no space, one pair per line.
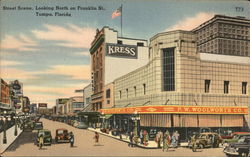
108,101
108,93
135,90
244,87
127,92
226,87
144,89
119,41
140,44
120,93
168,69
207,86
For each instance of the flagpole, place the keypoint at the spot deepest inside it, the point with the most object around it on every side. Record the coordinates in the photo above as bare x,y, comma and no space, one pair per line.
121,20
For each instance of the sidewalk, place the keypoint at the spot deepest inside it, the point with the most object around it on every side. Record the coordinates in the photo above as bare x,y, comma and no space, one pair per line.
151,144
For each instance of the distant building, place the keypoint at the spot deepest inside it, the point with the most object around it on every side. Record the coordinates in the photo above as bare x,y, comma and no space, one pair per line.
5,95
26,104
33,108
59,105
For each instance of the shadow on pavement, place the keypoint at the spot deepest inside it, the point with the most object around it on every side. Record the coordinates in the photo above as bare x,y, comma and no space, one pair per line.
24,138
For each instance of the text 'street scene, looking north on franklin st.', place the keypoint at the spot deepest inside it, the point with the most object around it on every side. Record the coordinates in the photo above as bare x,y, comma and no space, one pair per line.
125,78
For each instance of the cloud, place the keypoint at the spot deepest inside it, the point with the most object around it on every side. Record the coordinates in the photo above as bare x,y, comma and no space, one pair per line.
20,43
190,23
84,53
74,71
13,74
73,36
9,63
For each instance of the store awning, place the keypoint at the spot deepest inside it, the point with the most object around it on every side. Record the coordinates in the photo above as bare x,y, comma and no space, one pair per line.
178,109
107,116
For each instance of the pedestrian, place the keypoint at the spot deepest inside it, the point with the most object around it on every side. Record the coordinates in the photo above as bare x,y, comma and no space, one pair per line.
177,137
40,141
96,137
166,141
131,137
159,137
141,136
194,142
145,138
173,141
71,139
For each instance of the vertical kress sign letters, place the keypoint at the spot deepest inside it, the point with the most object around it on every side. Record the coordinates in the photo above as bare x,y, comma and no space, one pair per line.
124,51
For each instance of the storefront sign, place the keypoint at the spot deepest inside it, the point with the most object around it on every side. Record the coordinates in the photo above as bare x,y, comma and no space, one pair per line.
116,50
43,105
177,109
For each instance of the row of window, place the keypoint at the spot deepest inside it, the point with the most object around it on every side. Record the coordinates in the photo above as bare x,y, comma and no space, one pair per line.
138,43
127,92
226,87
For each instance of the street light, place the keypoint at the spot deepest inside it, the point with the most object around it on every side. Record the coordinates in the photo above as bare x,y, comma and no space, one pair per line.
5,119
102,117
135,118
15,117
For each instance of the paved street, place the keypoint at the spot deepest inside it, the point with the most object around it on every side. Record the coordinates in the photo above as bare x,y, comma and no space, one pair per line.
84,146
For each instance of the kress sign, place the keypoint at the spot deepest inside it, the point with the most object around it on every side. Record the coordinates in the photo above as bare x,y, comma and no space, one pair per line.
127,51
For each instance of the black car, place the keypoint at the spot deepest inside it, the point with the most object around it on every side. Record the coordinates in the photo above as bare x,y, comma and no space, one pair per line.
239,149
38,126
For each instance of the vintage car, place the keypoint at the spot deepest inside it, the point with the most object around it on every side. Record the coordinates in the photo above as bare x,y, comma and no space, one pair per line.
206,139
239,149
235,138
62,135
82,125
28,126
47,138
38,125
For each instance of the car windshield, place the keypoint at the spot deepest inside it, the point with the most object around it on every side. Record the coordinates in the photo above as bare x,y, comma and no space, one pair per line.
47,133
44,133
39,124
62,131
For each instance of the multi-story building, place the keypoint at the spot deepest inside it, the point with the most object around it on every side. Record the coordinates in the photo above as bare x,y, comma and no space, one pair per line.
26,104
87,92
74,105
5,94
112,57
59,105
224,35
186,88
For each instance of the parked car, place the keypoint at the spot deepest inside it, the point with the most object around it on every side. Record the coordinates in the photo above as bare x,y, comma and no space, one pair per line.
205,140
47,138
232,134
82,125
28,126
235,138
238,149
38,125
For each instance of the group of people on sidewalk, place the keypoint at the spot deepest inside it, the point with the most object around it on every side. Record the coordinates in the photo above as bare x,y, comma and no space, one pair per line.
167,140
143,136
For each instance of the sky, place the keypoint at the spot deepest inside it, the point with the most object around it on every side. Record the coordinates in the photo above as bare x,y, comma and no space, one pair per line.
50,54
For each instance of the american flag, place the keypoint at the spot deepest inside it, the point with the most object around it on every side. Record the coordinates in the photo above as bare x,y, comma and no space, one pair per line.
117,12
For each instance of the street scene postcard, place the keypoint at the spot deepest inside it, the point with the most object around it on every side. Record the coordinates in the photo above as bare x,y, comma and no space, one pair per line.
125,78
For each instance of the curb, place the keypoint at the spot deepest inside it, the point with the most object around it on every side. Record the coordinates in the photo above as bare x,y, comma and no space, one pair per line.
123,140
1,153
